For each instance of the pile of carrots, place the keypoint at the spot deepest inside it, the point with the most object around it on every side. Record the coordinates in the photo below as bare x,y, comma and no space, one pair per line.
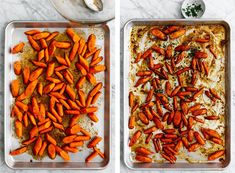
51,94
173,99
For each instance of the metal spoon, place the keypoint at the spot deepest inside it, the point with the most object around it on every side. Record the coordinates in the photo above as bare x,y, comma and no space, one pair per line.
95,5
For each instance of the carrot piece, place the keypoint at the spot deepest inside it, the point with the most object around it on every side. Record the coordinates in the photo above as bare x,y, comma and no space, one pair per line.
35,106
82,43
94,142
159,34
32,32
51,117
82,138
48,88
64,103
15,88
39,64
50,69
88,54
69,139
131,122
18,48
18,151
95,62
70,149
76,144
143,151
135,137
83,62
35,74
68,77
21,105
40,88
42,149
74,129
51,151
52,36
73,36
25,120
43,43
51,139
95,97
96,55
61,60
41,35
91,156
69,90
216,155
62,44
46,130
18,128
89,110
29,141
81,69
73,51
58,126
41,55
33,43
62,153
17,67
37,146
44,126
80,82
97,69
177,34
32,118
91,42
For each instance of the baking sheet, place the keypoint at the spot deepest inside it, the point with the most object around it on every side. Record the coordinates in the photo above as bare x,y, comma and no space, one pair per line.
182,164
14,33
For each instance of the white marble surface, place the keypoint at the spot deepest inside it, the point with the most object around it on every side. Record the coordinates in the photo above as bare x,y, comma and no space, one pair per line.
215,9
40,10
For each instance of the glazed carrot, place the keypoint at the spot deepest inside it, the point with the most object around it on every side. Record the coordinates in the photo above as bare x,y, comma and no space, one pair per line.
143,118
61,60
70,149
56,115
15,88
91,156
68,77
96,89
40,88
134,138
18,113
18,48
76,144
91,42
43,43
216,155
51,48
74,129
91,109
177,34
82,138
25,120
51,117
22,106
73,105
73,51
88,54
143,151
159,34
17,67
37,146
53,80
18,128
32,32
67,60
41,55
171,29
96,97
62,44
29,141
46,54
33,43
46,130
93,117
94,142
58,126
73,36
142,158
52,36
60,109
97,69
82,43
81,69
83,62
99,152
82,98
18,151
51,151
39,64
64,103
69,90
91,78
214,93
50,69
35,74
58,86
48,88
51,139
69,139
44,126
96,55
41,35
42,149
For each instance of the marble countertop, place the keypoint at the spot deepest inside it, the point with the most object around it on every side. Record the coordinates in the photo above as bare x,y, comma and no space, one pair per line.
215,9
40,10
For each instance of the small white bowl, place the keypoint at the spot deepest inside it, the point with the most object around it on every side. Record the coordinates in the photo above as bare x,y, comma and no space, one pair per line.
193,8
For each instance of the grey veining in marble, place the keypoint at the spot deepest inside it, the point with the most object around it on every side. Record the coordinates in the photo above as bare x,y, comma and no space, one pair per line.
215,9
40,10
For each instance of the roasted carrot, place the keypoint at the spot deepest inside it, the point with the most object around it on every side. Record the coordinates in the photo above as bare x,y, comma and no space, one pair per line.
17,48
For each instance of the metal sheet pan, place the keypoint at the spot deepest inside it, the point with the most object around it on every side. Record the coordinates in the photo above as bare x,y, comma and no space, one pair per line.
214,165
14,33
